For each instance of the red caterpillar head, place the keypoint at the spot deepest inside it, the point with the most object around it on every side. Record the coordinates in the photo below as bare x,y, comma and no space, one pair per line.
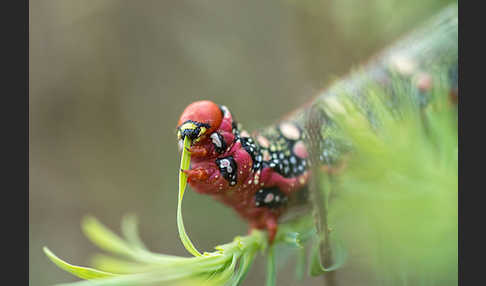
199,119
208,125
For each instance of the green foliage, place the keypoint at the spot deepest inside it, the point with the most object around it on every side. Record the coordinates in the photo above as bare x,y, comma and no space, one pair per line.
133,264
271,271
396,202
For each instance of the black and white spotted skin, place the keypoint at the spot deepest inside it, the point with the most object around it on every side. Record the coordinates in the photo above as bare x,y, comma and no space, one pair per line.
219,142
249,145
228,169
276,148
270,198
280,148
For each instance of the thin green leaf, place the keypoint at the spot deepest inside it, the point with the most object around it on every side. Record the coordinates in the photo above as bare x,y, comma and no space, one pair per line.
338,258
104,238
112,264
178,271
79,271
271,269
293,239
129,227
107,240
185,161
222,276
123,280
300,264
245,263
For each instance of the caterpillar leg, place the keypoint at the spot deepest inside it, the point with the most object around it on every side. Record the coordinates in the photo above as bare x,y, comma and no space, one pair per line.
197,174
267,221
272,227
198,151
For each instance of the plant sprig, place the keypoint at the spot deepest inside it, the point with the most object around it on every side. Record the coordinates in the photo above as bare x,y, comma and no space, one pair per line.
229,264
185,162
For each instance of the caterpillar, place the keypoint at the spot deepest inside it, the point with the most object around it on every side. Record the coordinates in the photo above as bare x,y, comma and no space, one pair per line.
256,174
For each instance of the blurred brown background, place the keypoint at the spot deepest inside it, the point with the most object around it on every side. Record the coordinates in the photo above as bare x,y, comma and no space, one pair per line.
109,79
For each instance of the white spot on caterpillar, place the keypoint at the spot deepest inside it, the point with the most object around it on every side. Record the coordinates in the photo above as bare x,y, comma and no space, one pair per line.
244,133
403,64
263,141
225,111
268,198
225,163
290,131
215,139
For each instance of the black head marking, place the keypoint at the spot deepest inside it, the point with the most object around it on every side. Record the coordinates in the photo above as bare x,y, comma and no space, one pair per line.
192,133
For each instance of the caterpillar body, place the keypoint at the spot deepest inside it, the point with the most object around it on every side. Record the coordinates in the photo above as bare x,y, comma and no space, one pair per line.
255,174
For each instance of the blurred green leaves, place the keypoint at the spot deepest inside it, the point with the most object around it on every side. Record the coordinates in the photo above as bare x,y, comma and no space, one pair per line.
136,265
395,205
132,264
